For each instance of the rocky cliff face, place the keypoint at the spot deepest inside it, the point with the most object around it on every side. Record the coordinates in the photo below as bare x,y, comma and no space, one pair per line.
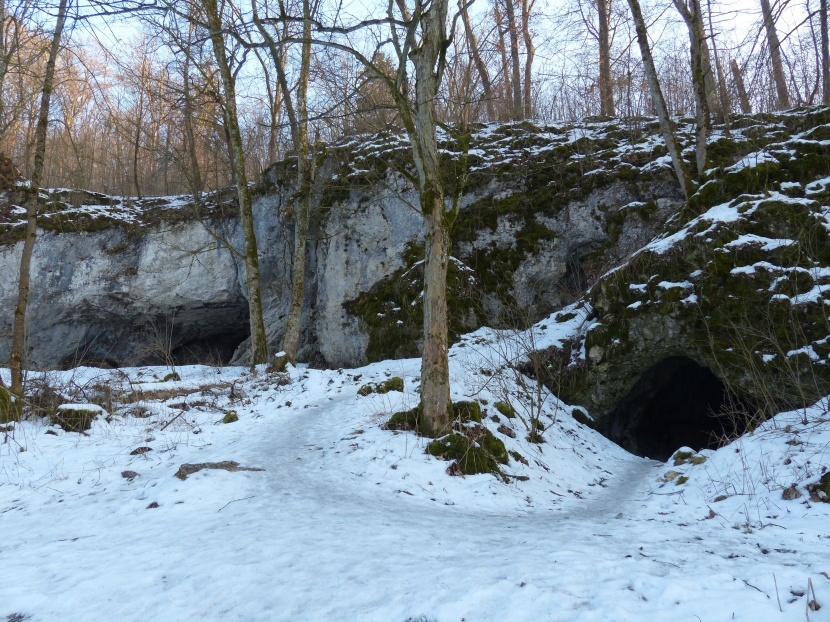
545,211
737,283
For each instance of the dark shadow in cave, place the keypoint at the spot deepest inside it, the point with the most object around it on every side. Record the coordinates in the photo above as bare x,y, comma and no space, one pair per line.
674,403
213,349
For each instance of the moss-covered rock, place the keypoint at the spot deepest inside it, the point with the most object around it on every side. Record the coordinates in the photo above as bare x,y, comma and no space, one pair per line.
471,447
475,451
739,283
76,417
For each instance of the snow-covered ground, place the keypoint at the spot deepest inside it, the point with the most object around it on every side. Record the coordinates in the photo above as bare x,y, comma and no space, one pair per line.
348,521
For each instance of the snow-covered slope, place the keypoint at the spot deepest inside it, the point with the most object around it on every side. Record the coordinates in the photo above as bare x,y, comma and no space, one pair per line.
348,521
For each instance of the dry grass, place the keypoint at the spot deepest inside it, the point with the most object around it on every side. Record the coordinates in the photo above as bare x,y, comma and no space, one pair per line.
167,393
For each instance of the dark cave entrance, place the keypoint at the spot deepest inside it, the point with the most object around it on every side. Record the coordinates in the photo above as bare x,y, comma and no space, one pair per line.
675,403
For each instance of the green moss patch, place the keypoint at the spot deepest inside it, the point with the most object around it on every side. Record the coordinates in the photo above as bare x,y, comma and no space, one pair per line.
682,457
475,451
391,384
467,412
505,409
406,420
9,406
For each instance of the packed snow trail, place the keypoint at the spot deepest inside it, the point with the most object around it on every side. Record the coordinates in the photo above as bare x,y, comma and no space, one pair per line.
350,522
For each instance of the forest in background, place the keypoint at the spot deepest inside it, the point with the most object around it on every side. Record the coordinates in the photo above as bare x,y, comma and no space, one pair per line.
133,79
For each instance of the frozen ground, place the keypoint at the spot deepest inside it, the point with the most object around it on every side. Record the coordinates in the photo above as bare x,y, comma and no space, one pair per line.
352,522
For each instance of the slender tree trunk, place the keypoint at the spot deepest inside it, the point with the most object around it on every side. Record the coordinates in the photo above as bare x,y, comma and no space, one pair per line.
666,126
704,120
723,94
693,19
825,55
506,104
19,329
195,176
783,96
746,107
530,53
513,31
606,89
481,67
136,141
692,15
302,213
259,345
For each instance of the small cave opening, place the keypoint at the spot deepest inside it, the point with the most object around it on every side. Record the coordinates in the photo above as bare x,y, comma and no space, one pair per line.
674,403
215,349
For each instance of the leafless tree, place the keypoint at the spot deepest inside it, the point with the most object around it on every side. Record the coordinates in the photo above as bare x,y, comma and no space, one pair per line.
32,205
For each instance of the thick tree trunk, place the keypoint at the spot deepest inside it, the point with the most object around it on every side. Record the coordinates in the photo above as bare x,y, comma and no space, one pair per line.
19,329
746,107
513,31
606,89
259,345
783,96
481,67
666,126
435,374
825,55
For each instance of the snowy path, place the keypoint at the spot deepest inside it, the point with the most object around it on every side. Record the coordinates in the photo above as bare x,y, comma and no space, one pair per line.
349,522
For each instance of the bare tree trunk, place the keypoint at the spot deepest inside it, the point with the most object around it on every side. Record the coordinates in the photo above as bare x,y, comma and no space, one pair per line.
723,94
783,99
302,215
606,89
666,126
693,18
259,345
19,329
136,141
530,53
692,15
513,31
506,104
195,173
435,372
746,107
483,74
825,55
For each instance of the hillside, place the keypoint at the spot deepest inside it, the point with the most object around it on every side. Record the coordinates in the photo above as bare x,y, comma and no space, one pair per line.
349,521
